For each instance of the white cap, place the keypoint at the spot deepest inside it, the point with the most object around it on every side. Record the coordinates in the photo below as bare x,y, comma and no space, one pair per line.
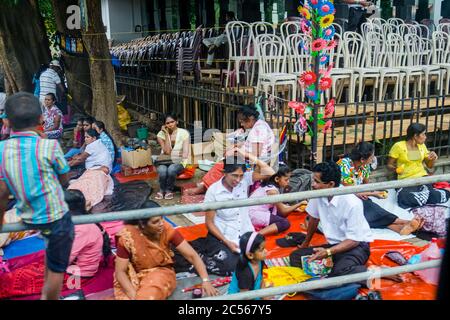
55,63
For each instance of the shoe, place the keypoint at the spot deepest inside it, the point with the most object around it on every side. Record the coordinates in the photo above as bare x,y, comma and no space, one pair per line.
169,196
159,196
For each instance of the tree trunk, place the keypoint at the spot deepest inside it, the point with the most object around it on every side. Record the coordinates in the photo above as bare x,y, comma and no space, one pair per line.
76,68
23,43
102,73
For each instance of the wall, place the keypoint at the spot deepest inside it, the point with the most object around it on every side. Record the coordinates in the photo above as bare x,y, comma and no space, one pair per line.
122,16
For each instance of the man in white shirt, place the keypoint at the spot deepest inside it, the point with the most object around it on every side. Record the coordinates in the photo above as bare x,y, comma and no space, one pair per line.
50,80
226,226
343,223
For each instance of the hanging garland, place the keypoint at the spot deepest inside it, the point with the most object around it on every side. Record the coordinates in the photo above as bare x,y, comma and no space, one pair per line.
317,22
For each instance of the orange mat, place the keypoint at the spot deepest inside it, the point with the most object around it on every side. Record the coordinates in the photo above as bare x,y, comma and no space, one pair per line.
412,288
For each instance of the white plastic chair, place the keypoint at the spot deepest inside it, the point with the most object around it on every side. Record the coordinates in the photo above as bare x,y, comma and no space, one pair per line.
338,28
289,27
339,74
441,54
356,60
299,59
444,27
395,21
272,65
397,58
419,54
239,35
377,21
376,59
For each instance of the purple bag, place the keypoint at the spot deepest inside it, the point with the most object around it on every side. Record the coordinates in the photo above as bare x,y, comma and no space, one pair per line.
434,217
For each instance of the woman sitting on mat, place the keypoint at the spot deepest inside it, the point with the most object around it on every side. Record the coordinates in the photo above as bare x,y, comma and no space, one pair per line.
144,264
271,218
174,142
105,138
226,226
91,244
355,170
407,158
78,140
95,182
259,141
53,126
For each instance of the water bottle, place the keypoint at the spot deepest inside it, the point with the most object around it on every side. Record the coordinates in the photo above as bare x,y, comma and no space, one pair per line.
433,252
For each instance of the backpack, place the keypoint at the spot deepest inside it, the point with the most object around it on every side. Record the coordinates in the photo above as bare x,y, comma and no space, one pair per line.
300,180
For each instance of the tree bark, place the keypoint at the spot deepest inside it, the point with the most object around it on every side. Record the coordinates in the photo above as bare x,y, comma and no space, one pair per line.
102,73
76,68
24,44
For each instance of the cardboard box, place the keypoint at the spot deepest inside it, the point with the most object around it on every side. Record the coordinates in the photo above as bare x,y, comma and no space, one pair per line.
137,158
202,151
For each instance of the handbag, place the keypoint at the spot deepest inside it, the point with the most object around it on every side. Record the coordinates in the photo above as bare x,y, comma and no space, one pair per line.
163,159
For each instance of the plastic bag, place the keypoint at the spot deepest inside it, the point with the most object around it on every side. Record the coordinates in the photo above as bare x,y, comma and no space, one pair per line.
283,276
123,116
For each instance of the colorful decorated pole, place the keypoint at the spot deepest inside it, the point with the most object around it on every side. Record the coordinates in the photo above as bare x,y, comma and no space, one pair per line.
317,22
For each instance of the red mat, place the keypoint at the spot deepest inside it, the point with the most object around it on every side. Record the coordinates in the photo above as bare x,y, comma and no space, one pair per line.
147,176
412,287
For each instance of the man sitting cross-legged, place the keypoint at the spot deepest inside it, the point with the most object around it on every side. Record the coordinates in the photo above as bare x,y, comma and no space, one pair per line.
343,223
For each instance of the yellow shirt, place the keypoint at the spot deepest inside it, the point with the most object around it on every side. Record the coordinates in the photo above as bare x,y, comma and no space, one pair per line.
412,168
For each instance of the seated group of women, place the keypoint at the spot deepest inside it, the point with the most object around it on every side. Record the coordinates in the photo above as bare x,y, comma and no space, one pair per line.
93,150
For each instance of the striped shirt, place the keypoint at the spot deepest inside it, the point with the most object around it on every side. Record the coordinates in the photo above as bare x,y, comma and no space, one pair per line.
47,82
30,166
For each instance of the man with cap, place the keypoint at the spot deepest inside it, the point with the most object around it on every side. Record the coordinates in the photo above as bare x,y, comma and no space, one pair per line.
50,80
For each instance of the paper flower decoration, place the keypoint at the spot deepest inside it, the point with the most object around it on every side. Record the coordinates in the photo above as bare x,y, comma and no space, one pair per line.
324,59
305,26
311,94
325,8
331,45
318,44
299,107
326,21
325,83
304,12
315,3
301,126
327,126
329,108
328,33
308,78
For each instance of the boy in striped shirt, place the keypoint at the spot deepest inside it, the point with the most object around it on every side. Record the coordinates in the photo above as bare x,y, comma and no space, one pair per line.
33,170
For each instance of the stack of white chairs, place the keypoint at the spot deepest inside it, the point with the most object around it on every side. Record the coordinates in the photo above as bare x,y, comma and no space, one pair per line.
272,58
388,52
239,35
441,55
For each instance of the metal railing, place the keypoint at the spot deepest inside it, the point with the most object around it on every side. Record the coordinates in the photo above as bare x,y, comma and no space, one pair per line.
380,122
209,206
298,196
328,282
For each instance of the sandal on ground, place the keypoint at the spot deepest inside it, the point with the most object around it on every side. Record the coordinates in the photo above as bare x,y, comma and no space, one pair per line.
412,226
169,196
159,196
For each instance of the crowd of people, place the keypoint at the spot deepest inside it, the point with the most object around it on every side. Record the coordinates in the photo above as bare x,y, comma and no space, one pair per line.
235,242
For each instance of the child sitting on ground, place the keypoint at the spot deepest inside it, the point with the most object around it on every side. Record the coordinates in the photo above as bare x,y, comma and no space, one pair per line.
272,218
248,274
